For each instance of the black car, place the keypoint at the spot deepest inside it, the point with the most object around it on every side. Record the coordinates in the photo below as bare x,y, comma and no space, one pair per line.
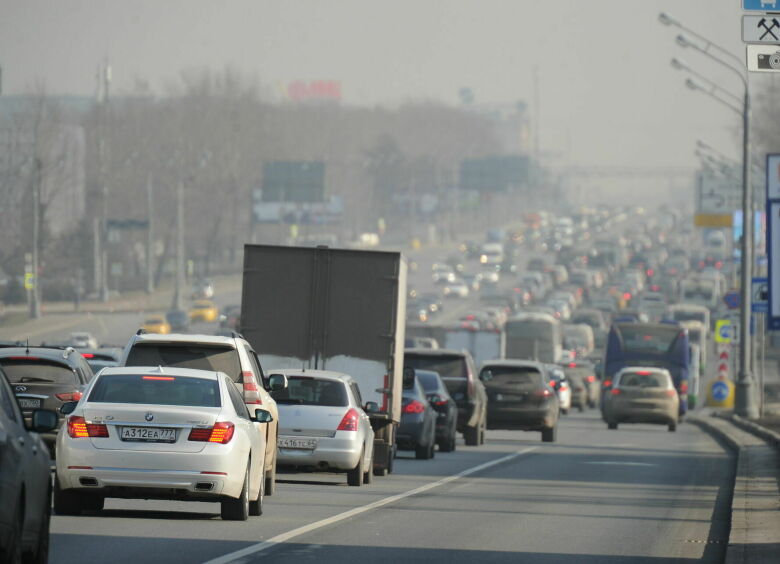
25,485
178,319
417,430
445,406
458,373
43,377
519,397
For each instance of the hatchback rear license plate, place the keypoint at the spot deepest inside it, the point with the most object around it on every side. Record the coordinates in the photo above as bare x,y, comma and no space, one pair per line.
27,403
308,444
148,434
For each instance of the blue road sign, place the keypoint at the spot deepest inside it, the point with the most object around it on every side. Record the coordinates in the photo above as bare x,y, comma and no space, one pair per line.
724,332
732,299
760,295
720,390
761,5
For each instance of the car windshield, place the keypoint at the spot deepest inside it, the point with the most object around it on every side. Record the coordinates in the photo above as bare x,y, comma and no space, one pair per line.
214,358
28,370
158,389
429,380
305,390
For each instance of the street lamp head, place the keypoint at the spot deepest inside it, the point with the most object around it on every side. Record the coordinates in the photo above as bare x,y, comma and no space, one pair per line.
678,64
683,41
702,145
692,84
666,19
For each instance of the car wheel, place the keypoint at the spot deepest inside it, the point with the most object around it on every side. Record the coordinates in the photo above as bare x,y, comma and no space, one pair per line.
237,509
355,476
564,411
672,427
385,470
421,452
581,408
41,554
256,506
612,425
66,502
368,475
591,404
471,436
270,480
549,435
94,503
482,433
432,450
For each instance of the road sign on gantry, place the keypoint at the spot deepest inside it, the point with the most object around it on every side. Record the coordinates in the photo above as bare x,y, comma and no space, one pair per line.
723,331
760,5
761,29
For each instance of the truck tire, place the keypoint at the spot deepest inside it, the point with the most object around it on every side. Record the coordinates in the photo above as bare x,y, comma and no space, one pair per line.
471,436
355,476
612,425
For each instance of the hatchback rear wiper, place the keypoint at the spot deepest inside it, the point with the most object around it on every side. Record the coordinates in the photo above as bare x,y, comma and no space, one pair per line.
35,379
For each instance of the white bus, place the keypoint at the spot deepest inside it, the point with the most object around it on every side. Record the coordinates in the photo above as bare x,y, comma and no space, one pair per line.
534,336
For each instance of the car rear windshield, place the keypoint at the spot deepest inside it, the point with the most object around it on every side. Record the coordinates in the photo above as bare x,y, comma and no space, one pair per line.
448,366
644,380
200,357
156,390
38,370
515,376
429,381
305,390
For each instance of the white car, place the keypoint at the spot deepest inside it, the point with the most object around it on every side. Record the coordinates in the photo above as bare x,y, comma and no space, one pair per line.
456,289
83,340
161,433
324,425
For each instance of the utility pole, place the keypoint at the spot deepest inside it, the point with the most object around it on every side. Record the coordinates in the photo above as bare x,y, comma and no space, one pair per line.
35,292
149,236
100,256
178,298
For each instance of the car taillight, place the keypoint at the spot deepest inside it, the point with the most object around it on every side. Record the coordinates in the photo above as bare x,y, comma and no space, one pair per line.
349,422
250,385
69,396
563,388
627,295
78,428
590,379
221,432
88,355
607,383
671,393
718,264
684,387
414,406
650,272
545,393
643,372
615,391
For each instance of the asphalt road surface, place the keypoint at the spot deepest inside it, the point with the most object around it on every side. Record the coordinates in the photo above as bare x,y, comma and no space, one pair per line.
636,495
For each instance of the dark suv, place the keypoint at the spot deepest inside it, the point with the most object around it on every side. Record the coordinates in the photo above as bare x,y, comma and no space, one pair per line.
45,378
458,373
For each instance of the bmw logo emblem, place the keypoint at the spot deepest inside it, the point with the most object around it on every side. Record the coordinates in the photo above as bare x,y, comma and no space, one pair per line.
149,416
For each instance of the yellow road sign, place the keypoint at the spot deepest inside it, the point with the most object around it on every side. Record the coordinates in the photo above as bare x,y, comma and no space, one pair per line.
29,281
723,331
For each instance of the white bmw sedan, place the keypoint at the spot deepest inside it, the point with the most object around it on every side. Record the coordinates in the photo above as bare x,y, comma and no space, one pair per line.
161,433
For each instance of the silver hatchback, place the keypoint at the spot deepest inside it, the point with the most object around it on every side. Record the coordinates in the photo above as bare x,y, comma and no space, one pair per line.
323,424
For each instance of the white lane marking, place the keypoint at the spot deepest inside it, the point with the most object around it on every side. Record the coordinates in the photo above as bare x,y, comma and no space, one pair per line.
273,541
616,463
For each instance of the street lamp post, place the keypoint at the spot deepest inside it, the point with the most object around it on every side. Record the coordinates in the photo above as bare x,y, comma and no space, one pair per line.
744,403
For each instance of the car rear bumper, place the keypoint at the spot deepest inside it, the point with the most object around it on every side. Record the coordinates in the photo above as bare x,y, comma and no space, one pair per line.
131,473
661,415
410,434
330,454
528,418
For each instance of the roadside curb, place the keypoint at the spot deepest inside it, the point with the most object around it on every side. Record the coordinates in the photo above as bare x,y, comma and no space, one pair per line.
760,431
754,536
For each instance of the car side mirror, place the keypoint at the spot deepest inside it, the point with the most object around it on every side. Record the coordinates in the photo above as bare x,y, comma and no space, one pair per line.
277,382
68,407
435,399
262,416
44,420
371,407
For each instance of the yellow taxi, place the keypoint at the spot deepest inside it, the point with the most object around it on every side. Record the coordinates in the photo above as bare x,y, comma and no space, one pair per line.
204,310
156,324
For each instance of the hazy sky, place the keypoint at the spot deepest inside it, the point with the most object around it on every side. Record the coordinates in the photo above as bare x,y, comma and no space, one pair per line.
608,93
